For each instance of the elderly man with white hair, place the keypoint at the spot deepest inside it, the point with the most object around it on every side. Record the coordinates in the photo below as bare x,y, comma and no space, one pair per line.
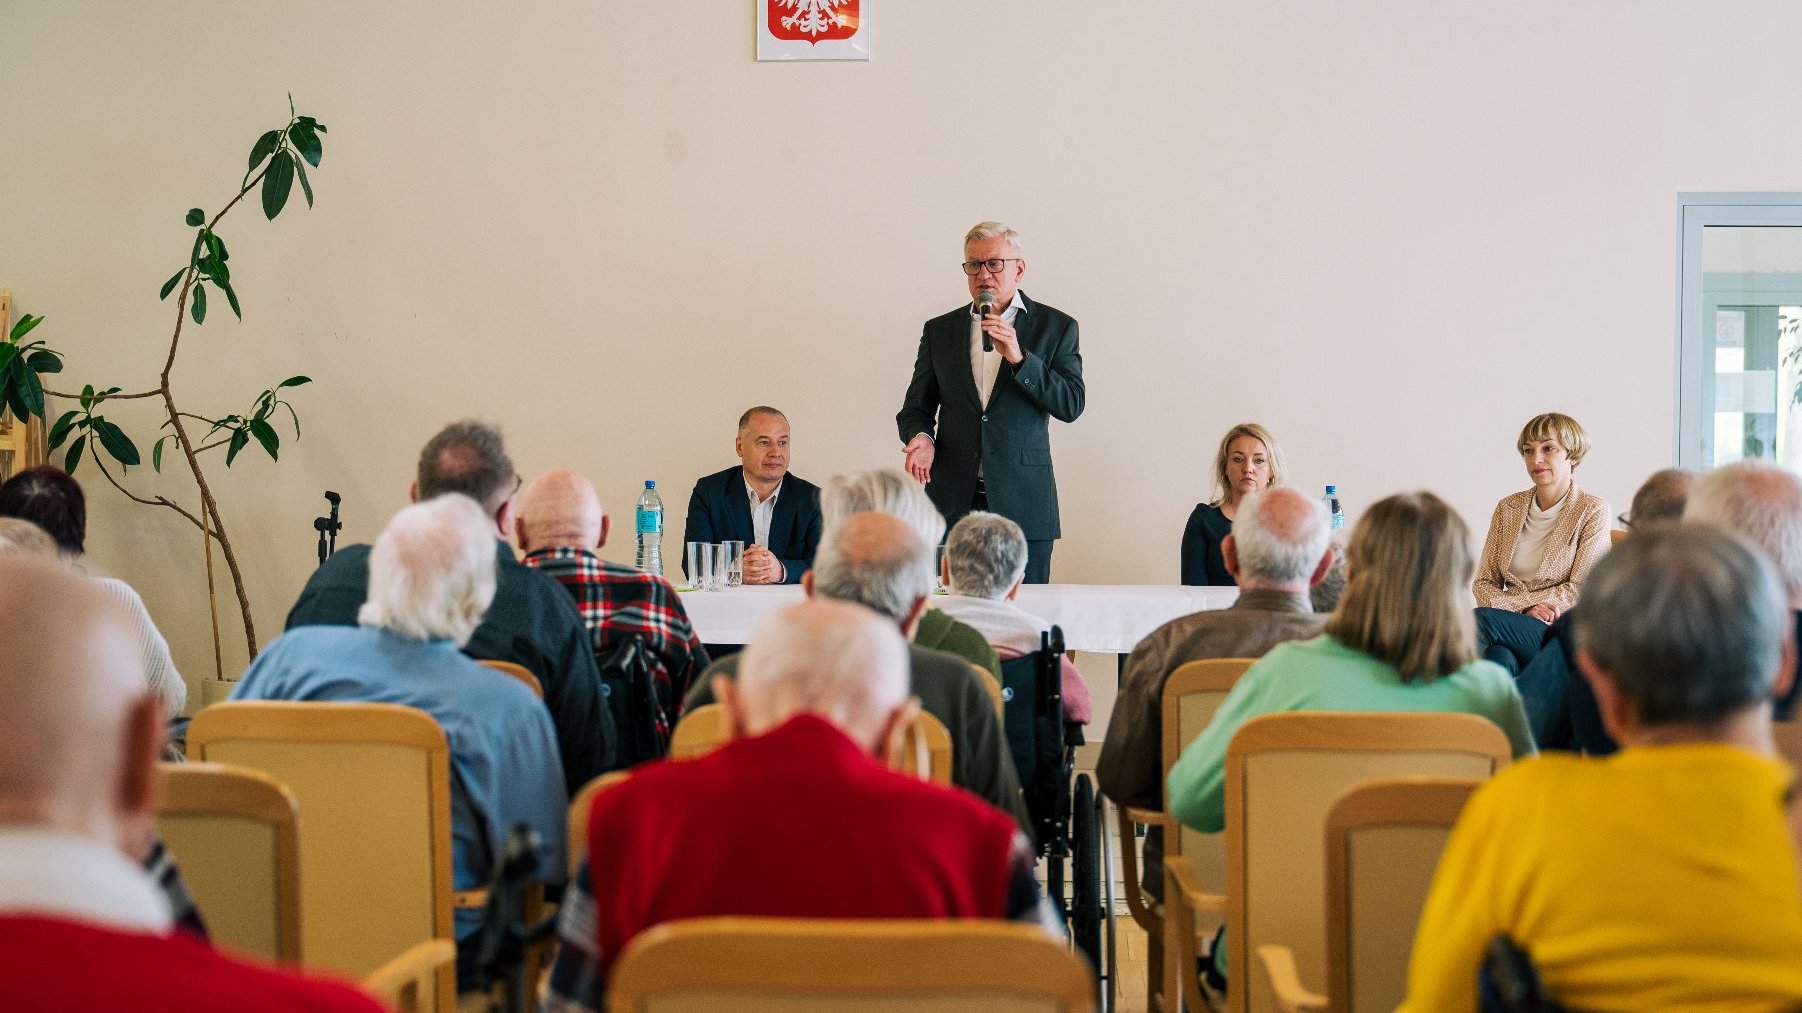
1277,550
983,567
431,579
799,815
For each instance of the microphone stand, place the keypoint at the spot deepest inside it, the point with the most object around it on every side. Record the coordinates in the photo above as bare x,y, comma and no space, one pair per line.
328,527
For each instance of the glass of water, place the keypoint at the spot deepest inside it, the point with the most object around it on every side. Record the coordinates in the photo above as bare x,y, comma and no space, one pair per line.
732,555
700,565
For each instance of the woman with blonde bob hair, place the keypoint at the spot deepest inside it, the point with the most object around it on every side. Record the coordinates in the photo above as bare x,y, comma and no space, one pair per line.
1248,461
1542,543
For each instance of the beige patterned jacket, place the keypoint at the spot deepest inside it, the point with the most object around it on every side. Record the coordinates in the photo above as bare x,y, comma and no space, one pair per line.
1576,542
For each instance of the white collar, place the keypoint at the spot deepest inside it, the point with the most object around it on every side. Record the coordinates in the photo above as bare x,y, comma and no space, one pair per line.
63,875
1016,305
752,493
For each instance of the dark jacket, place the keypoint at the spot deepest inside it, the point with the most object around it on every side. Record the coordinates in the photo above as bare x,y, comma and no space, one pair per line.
1011,437
1204,563
719,510
533,622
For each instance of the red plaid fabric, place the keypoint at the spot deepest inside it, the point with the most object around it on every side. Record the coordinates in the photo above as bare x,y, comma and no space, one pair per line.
619,601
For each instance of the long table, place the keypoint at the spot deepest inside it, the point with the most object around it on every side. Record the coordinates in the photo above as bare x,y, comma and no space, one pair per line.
1107,618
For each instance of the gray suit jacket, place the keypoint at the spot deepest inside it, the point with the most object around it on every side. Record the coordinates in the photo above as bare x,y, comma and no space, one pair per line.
1010,438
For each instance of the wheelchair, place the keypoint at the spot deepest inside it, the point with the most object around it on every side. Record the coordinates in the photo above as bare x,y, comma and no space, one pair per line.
1064,806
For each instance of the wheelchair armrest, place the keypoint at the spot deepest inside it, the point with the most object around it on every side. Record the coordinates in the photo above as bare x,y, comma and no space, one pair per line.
1291,997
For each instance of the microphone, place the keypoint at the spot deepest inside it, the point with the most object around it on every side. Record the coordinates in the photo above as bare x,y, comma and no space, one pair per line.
985,305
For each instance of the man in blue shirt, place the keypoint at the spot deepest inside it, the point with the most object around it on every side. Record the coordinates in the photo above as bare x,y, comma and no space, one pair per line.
431,578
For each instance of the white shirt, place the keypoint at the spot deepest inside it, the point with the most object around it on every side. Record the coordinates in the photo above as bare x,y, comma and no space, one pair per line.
762,512
1529,548
985,366
49,872
1005,625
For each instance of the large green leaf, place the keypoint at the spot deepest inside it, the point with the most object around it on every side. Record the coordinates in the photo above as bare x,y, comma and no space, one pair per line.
265,434
198,305
169,286
306,187
239,439
60,431
8,352
306,142
31,392
276,184
196,216
295,381
231,296
73,457
24,326
215,268
115,441
265,144
45,361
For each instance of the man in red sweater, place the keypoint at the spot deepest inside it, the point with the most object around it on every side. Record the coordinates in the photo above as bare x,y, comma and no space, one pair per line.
81,926
798,815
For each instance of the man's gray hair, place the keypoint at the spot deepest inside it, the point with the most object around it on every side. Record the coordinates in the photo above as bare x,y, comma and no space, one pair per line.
1280,552
987,555
431,573
1662,498
468,457
1763,503
884,491
874,560
993,230
1688,619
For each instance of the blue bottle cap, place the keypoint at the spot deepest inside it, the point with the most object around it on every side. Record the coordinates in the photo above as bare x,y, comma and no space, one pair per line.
650,483
1331,489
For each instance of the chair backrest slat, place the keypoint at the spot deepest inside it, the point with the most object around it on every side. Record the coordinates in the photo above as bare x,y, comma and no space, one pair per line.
233,832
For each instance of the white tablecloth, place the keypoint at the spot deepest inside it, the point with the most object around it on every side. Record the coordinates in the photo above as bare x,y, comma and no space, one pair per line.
1110,618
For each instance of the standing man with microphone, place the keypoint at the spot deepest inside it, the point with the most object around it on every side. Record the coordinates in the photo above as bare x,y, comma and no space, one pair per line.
987,378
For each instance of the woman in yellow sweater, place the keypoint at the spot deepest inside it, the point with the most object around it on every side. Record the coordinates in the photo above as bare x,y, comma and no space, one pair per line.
1662,877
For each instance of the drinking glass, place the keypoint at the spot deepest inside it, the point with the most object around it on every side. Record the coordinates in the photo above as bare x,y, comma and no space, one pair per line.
716,572
733,554
700,565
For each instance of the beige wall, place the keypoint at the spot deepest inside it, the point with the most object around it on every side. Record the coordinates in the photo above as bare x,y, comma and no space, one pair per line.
1391,232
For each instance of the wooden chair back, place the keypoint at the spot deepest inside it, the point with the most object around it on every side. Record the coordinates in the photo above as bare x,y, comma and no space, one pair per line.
1615,536
405,983
373,781
579,808
520,672
993,685
700,731
796,965
1284,772
234,833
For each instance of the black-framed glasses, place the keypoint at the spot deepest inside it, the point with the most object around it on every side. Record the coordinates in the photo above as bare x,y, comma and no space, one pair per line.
976,267
518,480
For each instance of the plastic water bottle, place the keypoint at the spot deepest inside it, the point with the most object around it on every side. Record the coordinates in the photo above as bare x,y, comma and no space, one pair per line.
1333,509
650,529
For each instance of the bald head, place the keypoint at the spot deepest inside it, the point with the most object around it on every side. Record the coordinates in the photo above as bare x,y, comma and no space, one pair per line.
839,661
876,560
79,733
1279,541
1662,498
1761,502
559,510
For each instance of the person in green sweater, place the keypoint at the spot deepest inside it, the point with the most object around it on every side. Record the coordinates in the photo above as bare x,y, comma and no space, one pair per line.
1402,639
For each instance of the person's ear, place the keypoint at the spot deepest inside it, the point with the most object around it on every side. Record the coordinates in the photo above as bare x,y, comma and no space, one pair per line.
892,740
1786,676
413,492
945,570
522,535
1229,549
504,519
912,623
732,707
807,583
1616,712
606,528
139,781
1326,565
1014,592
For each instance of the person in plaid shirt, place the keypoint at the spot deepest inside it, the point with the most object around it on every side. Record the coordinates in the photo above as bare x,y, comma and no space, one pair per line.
559,524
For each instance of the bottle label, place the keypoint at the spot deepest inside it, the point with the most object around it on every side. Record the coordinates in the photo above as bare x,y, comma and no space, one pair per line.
650,522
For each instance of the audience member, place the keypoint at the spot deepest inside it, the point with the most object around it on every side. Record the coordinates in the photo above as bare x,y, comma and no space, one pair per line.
776,514
1762,503
1326,592
1248,461
1561,709
1540,546
51,499
532,621
1277,548
431,579
984,564
891,491
797,815
1663,877
560,525
878,561
82,925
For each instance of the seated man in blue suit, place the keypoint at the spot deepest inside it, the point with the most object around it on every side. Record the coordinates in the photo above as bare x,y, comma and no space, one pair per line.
776,515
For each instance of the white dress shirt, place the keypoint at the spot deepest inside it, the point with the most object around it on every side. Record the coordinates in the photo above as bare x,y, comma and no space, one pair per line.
762,512
62,875
985,366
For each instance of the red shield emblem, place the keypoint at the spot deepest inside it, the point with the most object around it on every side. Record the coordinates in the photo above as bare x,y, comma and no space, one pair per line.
812,20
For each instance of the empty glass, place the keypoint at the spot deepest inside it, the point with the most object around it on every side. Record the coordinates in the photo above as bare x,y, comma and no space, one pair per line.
716,576
732,555
700,565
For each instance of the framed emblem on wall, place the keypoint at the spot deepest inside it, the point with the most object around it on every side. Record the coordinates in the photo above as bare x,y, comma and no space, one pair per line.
813,29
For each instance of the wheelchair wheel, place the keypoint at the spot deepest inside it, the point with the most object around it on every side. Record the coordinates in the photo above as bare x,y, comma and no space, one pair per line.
1085,872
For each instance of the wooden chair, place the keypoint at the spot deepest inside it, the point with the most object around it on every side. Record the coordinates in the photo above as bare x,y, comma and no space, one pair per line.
1615,536
233,831
927,746
375,844
579,808
993,685
1192,694
404,984
520,672
1283,774
1383,841
796,965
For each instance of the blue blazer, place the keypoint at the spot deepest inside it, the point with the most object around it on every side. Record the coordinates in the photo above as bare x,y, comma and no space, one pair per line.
719,510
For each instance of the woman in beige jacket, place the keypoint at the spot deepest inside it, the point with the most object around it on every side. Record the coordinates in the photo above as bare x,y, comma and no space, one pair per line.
1541,544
